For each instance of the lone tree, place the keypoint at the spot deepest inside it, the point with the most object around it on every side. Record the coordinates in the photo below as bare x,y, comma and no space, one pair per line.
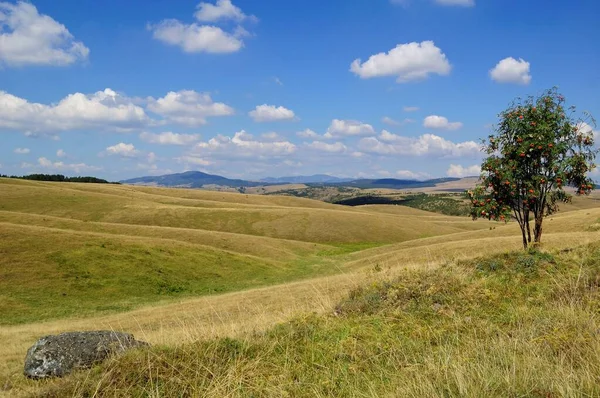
537,150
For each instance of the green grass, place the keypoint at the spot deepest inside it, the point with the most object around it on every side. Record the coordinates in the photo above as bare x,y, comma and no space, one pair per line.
79,250
85,275
512,325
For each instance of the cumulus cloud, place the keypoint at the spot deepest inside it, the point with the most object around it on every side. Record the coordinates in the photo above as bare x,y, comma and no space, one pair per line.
409,62
188,107
195,38
242,144
425,145
221,10
271,113
102,110
509,70
440,122
462,3
169,138
307,133
74,167
30,38
336,147
61,154
123,150
458,171
348,128
21,151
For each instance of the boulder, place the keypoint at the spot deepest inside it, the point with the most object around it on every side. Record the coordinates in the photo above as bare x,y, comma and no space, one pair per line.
56,356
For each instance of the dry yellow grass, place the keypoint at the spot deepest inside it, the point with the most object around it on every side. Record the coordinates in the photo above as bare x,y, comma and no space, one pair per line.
153,216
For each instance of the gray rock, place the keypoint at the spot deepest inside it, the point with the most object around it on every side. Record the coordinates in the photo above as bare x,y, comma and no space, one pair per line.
56,356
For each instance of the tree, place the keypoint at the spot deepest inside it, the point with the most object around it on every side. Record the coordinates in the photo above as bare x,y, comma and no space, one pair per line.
537,150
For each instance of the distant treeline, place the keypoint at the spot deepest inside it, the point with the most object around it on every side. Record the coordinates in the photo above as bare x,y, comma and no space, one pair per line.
60,178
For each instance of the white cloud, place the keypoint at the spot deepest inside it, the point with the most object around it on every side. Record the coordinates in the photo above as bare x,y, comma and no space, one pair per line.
102,110
122,149
21,151
462,3
307,133
586,129
424,145
440,122
30,38
61,154
188,107
410,62
336,147
410,108
411,175
195,38
221,10
345,128
169,138
242,144
509,70
456,170
271,113
75,167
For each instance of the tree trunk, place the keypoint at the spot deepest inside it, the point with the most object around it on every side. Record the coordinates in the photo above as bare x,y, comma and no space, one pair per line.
527,227
524,235
538,229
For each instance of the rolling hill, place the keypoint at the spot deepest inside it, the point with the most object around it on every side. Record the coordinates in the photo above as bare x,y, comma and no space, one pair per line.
190,179
178,267
197,179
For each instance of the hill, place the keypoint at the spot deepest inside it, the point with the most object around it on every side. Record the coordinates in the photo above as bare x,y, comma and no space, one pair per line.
190,179
197,179
394,183
317,178
515,324
146,244
184,268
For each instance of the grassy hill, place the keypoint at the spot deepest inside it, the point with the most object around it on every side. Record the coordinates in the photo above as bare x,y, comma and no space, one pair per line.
518,324
184,268
82,249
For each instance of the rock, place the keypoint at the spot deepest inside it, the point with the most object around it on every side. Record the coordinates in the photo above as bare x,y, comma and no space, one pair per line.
56,356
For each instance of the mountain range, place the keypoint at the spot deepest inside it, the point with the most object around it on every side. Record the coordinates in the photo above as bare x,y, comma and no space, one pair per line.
198,179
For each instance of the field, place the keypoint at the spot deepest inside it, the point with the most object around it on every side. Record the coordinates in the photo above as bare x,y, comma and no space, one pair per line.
183,269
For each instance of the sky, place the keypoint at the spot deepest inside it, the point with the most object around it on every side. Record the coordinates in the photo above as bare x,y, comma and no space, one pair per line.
252,89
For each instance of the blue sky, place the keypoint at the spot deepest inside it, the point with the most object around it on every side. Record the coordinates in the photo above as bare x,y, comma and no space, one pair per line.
377,88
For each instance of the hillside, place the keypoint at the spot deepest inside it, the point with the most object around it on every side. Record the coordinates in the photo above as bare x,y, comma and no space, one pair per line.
197,179
161,244
190,179
177,265
517,324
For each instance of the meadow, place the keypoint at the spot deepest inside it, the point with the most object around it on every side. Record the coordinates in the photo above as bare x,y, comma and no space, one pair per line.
349,301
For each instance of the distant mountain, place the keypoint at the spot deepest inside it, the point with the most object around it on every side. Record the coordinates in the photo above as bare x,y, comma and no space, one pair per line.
393,183
190,179
314,179
197,179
